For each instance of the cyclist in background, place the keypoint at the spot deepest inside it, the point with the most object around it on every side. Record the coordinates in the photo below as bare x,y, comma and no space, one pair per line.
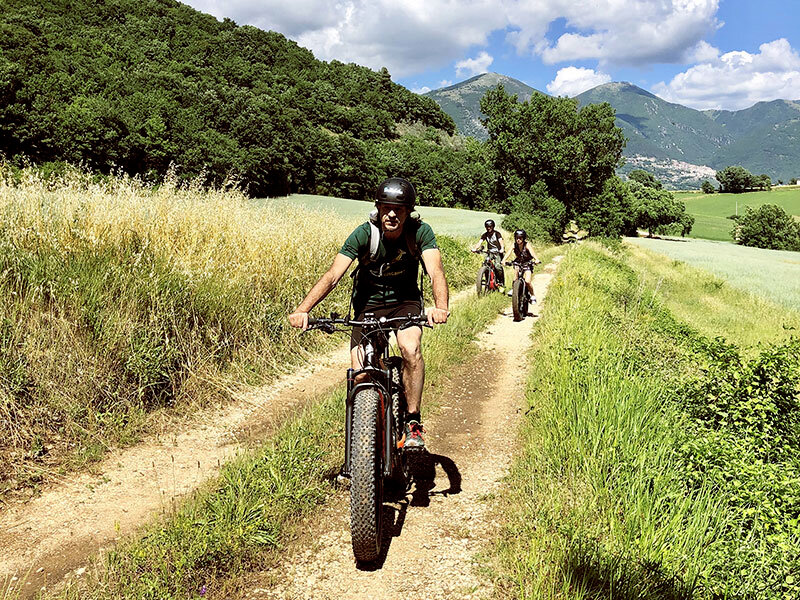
494,243
386,285
524,254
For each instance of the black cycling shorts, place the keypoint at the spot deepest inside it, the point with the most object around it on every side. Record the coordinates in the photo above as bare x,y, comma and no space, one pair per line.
402,309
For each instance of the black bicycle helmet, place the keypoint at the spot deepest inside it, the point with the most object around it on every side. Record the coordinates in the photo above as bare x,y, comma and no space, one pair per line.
488,223
396,190
520,233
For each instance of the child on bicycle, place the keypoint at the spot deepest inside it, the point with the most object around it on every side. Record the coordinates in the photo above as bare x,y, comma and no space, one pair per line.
494,245
526,257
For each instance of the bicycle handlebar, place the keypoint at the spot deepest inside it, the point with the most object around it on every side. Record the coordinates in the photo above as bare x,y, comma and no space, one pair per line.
328,324
511,263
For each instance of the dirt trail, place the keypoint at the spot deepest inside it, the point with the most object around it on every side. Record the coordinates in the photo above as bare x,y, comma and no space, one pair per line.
51,538
444,521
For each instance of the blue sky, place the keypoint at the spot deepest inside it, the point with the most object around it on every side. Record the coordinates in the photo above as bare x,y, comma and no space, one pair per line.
702,53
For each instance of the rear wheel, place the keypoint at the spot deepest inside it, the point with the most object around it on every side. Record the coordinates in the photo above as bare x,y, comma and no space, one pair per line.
482,282
366,483
519,304
399,477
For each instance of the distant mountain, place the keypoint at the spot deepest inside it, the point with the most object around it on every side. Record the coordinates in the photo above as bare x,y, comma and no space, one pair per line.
462,101
680,145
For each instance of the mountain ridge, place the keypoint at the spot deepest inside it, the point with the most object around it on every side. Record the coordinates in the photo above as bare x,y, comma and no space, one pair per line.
681,145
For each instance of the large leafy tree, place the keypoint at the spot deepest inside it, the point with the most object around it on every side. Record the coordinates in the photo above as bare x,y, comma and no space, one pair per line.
768,226
572,150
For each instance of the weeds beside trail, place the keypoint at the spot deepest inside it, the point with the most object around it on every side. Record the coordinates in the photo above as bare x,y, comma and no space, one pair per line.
656,463
123,300
240,521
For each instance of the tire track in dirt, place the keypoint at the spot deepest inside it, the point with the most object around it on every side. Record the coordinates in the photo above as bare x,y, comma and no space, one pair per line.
51,538
444,521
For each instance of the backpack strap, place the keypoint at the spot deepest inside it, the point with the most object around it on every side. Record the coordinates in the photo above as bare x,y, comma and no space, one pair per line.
374,240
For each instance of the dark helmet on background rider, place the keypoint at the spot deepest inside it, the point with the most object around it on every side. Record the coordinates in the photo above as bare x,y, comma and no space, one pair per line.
489,223
520,233
396,190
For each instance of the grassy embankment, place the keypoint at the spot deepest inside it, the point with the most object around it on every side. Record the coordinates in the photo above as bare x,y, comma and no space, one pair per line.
239,522
711,211
123,303
656,462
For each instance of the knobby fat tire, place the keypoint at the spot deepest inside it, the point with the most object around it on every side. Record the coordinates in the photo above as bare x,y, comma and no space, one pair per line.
518,299
482,282
366,483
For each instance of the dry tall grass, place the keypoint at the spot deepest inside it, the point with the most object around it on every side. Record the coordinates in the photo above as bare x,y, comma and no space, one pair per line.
120,299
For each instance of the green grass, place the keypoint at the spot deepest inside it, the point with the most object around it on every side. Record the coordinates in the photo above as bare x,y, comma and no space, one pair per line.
770,274
620,491
449,221
240,522
711,212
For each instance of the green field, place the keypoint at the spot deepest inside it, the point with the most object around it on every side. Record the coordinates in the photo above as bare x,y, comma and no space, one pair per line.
448,221
773,274
711,211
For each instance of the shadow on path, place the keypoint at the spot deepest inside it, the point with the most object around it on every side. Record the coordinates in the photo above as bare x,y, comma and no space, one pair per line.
422,467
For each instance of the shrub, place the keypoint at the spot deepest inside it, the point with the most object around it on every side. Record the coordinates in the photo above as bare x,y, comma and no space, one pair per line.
707,187
612,213
539,214
768,226
741,439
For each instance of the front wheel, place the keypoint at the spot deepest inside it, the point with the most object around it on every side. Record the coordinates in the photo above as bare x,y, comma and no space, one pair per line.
519,303
366,483
482,282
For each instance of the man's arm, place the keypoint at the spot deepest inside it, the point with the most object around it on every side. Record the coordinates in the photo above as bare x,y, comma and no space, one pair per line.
432,258
323,287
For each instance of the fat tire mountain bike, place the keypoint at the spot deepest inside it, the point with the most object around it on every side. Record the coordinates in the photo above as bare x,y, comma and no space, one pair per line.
520,294
488,279
374,452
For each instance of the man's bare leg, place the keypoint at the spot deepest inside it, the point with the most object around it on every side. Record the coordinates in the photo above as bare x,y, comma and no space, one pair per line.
409,340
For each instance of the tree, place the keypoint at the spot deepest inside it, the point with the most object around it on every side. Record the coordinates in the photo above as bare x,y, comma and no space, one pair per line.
735,179
657,210
612,213
707,187
768,226
539,214
572,150
793,181
645,178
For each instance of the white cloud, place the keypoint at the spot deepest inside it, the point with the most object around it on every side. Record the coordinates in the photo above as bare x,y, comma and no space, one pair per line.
474,66
423,90
571,81
414,35
632,31
445,83
702,52
738,79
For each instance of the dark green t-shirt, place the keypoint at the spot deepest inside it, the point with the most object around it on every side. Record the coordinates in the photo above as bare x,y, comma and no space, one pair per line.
392,276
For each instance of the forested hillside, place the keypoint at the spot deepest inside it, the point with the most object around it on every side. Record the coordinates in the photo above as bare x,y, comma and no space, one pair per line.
140,84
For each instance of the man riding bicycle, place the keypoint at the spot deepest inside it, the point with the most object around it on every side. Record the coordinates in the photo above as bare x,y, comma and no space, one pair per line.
526,258
386,285
494,245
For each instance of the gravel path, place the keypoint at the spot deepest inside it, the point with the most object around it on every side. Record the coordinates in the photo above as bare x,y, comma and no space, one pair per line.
51,538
